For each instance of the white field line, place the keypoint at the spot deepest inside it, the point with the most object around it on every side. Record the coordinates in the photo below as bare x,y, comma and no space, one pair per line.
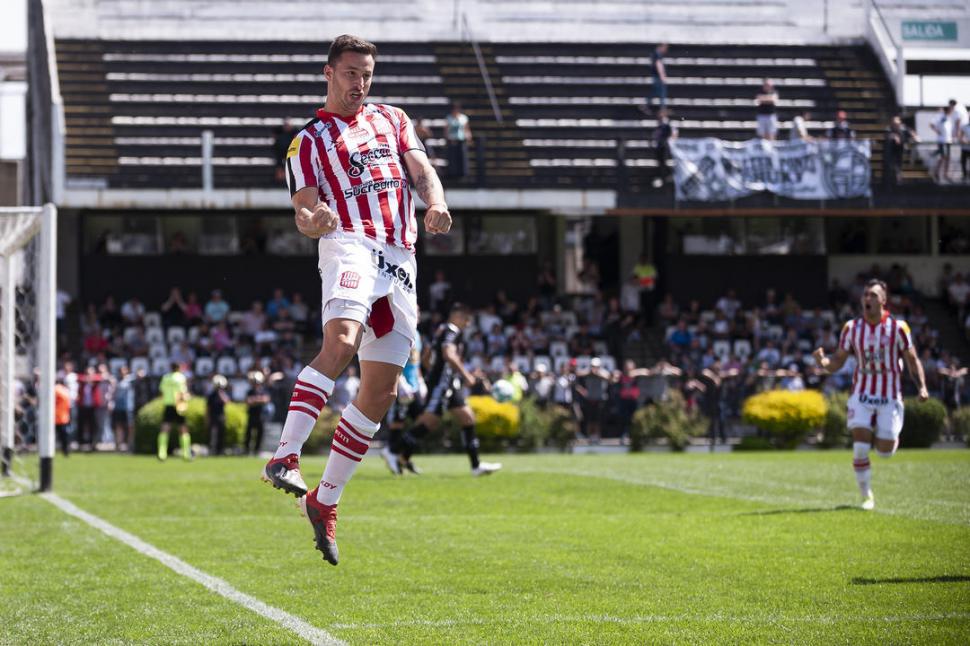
813,495
660,619
301,628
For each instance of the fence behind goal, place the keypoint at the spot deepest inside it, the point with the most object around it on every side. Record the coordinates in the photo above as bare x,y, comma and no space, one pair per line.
27,345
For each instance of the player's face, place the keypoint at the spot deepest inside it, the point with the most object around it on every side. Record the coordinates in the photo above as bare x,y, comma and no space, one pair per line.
873,299
348,81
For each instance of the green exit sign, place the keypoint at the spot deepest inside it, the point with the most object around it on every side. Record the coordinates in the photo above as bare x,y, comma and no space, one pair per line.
929,30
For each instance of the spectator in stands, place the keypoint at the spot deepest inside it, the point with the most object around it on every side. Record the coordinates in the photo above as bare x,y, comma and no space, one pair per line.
90,404
458,133
193,310
300,313
547,284
123,410
182,353
94,342
256,401
799,127
663,134
681,338
658,78
438,292
766,100
215,412
593,388
62,415
220,338
276,304
841,131
109,316
282,138
133,311
62,301
344,389
898,139
217,309
647,276
582,342
173,309
729,304
959,295
252,321
964,139
958,117
285,329
942,126
423,131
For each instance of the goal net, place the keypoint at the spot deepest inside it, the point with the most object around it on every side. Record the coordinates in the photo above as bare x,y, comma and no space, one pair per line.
27,342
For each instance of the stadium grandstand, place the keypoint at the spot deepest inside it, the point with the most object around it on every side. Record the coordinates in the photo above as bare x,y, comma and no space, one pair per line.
156,128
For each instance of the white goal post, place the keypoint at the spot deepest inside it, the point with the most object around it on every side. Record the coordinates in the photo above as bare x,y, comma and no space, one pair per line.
27,341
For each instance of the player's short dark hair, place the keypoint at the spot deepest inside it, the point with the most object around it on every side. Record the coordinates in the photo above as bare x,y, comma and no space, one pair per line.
875,282
349,43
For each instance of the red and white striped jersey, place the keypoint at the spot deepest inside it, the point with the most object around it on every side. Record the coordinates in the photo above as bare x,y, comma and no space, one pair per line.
878,352
357,166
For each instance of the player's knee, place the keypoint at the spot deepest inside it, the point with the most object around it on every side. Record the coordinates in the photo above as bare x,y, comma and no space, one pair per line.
885,454
343,346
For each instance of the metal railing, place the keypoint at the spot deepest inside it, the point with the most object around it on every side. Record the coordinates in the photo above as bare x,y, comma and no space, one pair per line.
467,34
46,132
888,50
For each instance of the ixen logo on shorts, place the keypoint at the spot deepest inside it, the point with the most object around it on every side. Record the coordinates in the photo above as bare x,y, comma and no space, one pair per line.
350,279
397,273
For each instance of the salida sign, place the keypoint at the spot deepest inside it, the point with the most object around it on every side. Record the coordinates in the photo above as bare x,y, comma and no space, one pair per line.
929,30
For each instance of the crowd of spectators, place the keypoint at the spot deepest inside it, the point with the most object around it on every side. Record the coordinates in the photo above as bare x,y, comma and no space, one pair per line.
580,352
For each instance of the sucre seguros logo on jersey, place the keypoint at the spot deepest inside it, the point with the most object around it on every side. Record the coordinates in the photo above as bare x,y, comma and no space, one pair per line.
359,161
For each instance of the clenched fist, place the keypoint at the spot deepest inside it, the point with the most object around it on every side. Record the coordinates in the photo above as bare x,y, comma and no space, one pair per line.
820,359
318,222
437,219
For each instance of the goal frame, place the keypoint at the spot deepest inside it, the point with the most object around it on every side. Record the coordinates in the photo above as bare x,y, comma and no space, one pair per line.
46,230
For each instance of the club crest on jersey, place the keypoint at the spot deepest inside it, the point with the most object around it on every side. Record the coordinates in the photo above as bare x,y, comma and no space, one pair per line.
396,273
350,279
359,161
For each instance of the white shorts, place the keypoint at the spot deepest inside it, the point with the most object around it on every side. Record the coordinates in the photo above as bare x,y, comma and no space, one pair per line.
883,413
357,274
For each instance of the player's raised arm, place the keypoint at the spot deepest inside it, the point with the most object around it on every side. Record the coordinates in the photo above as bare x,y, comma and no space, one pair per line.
915,367
830,365
437,219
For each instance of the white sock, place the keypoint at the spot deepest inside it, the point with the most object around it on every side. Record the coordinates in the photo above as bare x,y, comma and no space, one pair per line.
860,462
350,443
310,395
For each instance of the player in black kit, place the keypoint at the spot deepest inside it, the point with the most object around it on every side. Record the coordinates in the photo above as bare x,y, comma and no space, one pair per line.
444,376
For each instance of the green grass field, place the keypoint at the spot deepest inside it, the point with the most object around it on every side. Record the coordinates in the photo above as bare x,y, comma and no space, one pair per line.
584,549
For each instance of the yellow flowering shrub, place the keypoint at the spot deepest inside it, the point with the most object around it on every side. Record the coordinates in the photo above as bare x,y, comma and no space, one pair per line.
496,423
786,415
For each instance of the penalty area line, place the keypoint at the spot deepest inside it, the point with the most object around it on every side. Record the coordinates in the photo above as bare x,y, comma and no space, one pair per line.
221,587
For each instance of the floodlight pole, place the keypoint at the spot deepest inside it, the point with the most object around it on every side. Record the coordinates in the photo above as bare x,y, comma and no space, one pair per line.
48,341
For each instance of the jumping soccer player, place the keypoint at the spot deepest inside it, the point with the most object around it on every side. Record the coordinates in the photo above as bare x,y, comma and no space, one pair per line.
349,172
878,341
444,378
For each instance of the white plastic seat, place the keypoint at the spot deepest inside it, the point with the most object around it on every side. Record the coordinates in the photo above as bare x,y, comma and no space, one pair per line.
175,335
227,366
154,335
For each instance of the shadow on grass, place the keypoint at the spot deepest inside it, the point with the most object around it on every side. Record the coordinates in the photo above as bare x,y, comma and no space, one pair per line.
804,510
922,579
